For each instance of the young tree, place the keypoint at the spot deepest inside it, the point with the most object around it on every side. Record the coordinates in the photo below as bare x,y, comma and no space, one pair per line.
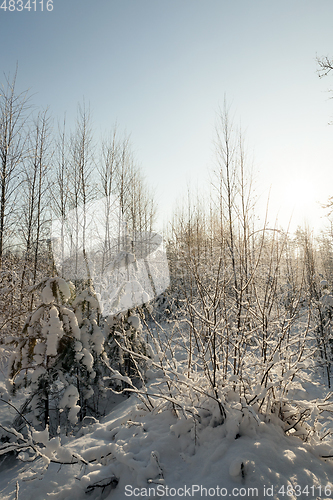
74,188
13,149
90,370
82,189
35,190
46,356
235,322
60,193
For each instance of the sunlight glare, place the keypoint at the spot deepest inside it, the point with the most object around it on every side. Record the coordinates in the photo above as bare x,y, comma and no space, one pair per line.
298,195
296,202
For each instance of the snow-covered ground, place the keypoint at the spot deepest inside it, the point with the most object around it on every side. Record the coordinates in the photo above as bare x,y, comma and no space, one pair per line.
172,451
154,454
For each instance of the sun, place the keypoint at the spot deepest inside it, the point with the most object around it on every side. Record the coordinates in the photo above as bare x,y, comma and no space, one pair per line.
298,195
296,201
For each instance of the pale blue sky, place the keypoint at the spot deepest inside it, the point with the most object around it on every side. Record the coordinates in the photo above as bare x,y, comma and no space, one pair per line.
161,69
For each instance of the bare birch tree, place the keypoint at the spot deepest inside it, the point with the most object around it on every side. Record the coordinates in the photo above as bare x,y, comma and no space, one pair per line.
35,191
13,115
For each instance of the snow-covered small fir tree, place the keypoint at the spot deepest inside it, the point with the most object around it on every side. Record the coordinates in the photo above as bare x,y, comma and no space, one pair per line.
91,368
46,358
124,335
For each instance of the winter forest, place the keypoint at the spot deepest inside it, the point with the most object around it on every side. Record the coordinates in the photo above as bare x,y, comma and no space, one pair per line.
134,365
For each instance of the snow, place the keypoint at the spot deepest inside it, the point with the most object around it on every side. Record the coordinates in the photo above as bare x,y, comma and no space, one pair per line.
47,295
64,288
74,327
41,436
87,359
72,414
134,320
134,453
69,400
39,353
37,314
145,451
54,332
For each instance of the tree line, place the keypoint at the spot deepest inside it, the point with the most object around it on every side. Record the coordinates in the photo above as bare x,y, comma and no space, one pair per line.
46,172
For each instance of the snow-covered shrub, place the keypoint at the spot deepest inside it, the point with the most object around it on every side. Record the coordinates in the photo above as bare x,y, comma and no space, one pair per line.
242,321
322,307
319,298
270,392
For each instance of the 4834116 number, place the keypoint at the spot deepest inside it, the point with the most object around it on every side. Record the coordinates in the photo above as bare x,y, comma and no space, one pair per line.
313,491
20,5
